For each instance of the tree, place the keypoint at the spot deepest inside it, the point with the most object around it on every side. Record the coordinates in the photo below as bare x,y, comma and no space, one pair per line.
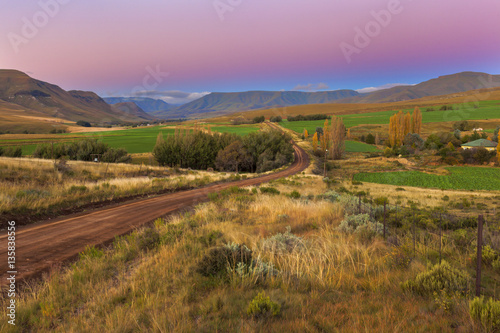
370,139
306,134
377,139
457,133
234,157
495,134
408,124
325,138
416,121
337,138
275,119
258,120
315,141
83,123
498,152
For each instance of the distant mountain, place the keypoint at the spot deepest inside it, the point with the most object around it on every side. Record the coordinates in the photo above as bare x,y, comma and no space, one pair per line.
132,109
149,105
41,98
225,103
443,85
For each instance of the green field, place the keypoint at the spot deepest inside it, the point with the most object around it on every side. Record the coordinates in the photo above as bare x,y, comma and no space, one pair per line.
486,110
359,147
136,140
460,178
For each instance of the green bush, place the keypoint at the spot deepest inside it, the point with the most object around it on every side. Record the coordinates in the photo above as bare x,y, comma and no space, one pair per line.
440,277
487,313
76,188
91,252
262,306
218,259
13,152
148,239
294,195
269,190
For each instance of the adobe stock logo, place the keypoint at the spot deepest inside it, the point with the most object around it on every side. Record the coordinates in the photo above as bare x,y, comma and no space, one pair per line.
224,6
363,37
31,27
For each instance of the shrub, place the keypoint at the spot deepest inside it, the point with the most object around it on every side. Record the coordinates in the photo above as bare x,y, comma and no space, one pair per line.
283,242
76,188
440,277
218,259
487,313
262,306
148,239
269,190
352,223
91,252
13,152
294,195
83,123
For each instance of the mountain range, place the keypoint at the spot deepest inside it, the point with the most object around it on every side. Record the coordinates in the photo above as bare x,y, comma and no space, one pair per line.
218,104
24,99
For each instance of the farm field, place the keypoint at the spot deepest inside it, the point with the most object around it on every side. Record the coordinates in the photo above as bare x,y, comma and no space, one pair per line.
135,141
486,110
460,178
359,147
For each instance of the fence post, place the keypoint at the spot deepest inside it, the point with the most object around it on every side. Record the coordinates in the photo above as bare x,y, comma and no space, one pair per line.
479,258
414,236
385,204
440,237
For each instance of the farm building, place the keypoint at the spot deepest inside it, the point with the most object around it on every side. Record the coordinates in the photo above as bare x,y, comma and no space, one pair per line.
487,144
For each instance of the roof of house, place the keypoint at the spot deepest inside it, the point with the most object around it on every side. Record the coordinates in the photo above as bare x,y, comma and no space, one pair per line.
480,143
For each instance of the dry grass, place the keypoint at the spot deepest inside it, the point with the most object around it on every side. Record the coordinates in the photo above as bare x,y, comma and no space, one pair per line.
36,186
329,282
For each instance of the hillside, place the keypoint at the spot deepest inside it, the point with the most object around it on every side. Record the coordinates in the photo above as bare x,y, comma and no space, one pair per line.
443,85
224,103
149,105
132,109
45,102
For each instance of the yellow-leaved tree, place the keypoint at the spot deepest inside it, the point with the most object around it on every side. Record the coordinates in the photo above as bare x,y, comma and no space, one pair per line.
315,141
498,152
337,138
306,134
416,121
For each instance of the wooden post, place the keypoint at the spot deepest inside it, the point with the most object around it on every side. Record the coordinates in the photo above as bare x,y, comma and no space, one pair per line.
414,237
479,258
385,206
440,237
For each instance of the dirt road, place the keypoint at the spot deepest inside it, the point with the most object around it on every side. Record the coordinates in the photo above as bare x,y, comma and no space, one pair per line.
40,246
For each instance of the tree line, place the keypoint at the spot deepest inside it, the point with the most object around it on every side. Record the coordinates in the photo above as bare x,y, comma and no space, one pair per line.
198,149
83,150
331,139
308,117
402,124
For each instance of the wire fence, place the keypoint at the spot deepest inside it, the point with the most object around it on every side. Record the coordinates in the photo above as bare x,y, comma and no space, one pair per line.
437,235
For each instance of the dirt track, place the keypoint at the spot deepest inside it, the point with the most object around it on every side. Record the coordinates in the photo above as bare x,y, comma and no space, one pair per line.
40,246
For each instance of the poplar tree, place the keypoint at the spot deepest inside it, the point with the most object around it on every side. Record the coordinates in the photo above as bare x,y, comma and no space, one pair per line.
337,138
315,141
325,138
498,152
306,134
416,121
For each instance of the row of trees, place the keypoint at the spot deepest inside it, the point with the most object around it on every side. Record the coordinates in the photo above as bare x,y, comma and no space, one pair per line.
83,150
401,124
331,138
197,149
308,117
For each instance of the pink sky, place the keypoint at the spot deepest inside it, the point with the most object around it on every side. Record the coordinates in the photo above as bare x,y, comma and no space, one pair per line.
106,46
